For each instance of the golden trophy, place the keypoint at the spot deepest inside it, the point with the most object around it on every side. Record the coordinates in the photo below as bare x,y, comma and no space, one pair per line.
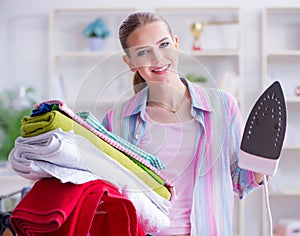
197,29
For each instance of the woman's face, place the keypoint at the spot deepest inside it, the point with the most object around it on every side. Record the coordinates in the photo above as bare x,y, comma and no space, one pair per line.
153,52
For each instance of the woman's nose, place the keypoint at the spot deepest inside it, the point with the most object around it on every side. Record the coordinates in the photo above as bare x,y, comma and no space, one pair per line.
156,55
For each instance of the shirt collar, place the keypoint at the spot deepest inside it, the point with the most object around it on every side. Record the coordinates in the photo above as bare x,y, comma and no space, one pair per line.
197,96
137,104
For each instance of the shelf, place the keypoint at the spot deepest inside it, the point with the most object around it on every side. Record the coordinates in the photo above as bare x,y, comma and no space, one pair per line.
108,10
213,15
220,57
86,54
280,62
224,52
291,147
292,100
92,85
281,53
291,192
277,11
188,10
281,28
74,54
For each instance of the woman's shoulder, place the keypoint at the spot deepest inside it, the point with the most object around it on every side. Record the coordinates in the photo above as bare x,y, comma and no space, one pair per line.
122,111
213,95
211,90
131,105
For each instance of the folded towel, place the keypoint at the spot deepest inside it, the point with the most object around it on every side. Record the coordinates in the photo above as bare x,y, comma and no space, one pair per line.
32,126
152,209
50,154
65,209
94,123
62,107
72,158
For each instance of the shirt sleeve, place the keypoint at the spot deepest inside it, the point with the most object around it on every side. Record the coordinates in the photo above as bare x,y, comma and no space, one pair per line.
107,121
243,180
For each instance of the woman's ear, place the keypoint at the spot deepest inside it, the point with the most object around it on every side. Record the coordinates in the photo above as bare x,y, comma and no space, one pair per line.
176,40
128,61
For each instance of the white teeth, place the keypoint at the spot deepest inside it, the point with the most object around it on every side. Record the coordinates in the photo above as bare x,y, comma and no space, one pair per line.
161,69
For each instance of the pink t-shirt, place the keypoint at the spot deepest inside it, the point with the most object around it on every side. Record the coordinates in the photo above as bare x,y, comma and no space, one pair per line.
175,145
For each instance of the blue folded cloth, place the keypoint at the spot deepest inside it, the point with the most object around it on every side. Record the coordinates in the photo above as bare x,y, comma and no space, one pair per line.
42,110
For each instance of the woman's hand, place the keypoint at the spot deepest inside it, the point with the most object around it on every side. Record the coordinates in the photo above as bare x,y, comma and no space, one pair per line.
259,178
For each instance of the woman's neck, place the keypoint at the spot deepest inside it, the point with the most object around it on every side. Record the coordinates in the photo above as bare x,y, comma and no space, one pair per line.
168,96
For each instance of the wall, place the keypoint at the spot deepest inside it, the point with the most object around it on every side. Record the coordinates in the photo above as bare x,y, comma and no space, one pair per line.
24,37
24,50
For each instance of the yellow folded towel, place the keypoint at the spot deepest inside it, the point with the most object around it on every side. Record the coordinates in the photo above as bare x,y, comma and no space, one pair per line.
31,126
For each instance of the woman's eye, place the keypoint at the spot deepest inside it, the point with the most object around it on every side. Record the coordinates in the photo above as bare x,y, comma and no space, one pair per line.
164,44
143,52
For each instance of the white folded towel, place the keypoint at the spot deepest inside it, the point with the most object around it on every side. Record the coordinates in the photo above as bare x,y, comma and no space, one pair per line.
152,209
51,154
72,158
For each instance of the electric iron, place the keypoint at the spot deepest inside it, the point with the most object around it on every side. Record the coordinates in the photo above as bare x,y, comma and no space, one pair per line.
264,132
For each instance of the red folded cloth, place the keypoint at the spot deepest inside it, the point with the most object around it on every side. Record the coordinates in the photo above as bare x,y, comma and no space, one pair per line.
64,209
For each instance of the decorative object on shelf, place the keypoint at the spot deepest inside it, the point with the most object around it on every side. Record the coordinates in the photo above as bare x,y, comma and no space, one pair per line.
96,44
96,32
14,104
297,91
196,78
288,227
197,30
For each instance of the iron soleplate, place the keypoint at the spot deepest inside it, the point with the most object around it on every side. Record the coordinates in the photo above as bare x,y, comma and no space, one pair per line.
264,132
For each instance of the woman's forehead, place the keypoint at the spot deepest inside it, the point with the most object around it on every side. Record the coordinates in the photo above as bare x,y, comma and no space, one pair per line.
150,34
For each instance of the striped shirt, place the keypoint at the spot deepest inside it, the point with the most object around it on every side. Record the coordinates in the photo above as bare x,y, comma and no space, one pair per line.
217,175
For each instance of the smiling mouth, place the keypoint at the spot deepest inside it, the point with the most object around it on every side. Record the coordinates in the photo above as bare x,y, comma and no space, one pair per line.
161,69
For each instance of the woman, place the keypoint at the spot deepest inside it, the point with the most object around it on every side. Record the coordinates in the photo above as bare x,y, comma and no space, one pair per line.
196,132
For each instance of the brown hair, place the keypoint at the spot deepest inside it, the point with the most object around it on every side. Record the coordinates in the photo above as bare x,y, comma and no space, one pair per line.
131,23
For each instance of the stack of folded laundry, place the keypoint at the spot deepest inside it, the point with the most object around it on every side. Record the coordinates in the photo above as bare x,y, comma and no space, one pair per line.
80,167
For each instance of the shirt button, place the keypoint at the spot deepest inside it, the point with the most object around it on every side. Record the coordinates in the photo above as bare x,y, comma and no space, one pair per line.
137,136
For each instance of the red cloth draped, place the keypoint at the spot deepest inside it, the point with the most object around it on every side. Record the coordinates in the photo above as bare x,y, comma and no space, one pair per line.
64,209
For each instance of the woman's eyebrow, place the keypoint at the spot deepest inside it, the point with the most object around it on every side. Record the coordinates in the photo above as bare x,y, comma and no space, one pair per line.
163,39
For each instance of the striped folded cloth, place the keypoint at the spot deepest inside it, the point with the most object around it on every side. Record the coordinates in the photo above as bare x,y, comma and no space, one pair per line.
92,121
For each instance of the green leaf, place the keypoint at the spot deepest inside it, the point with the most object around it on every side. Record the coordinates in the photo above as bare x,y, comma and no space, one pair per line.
196,78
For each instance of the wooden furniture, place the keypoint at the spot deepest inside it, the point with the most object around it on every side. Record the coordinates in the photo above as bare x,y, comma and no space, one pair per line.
280,61
96,80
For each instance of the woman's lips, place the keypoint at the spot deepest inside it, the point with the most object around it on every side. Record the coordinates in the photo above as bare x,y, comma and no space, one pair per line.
160,69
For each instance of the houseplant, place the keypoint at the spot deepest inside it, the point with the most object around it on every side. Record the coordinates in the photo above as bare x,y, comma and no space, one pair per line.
96,31
14,104
196,78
